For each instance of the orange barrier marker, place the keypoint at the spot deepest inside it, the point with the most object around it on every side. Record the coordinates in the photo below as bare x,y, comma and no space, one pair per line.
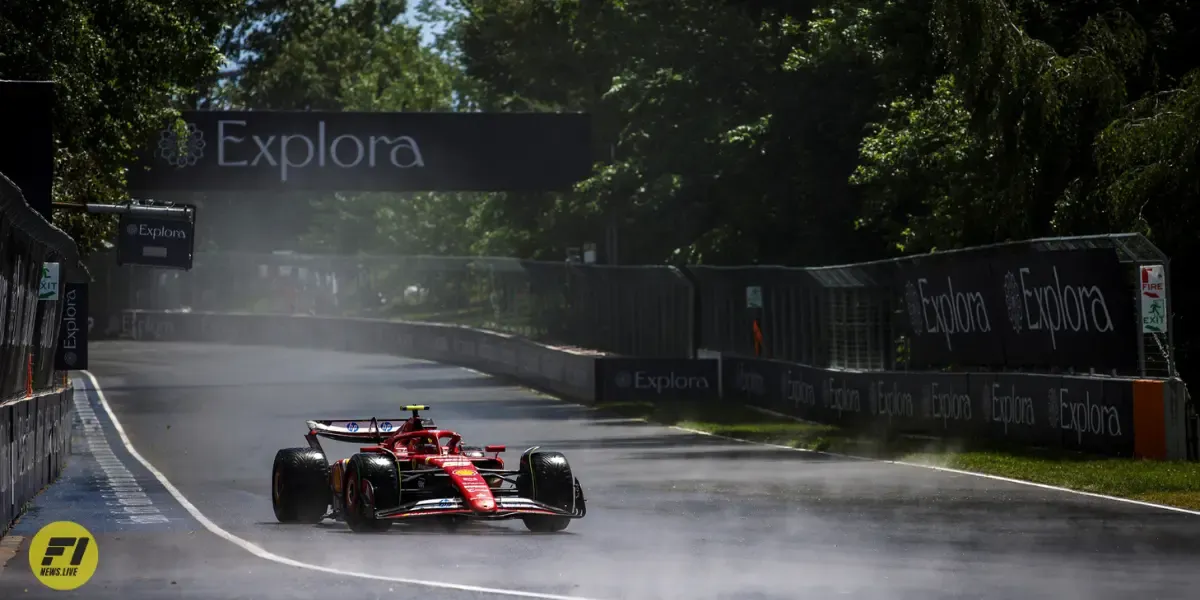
1149,420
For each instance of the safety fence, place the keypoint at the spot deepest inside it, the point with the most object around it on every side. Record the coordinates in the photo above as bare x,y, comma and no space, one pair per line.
1102,415
33,381
1052,306
644,311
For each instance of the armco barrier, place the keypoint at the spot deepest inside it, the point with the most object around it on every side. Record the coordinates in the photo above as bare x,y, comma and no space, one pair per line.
35,439
1102,415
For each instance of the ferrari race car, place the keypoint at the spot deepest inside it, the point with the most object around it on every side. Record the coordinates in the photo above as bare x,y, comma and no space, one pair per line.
418,471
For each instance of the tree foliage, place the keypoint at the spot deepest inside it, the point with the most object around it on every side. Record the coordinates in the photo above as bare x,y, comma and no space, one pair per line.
727,131
359,55
810,132
825,131
122,67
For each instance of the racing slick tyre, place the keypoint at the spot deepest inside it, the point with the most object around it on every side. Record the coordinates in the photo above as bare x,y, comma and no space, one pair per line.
300,485
546,477
372,483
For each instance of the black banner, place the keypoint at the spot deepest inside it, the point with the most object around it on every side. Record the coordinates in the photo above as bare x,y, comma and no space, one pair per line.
927,403
1094,416
637,379
952,309
155,242
1066,309
344,151
1048,411
1018,408
71,352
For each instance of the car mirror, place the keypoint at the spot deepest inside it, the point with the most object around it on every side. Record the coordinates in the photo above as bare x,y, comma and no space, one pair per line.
496,449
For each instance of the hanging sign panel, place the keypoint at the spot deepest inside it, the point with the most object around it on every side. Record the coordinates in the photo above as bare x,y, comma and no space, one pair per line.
155,242
280,151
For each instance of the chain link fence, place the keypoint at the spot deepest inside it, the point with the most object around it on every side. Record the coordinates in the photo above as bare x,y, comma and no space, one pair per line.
642,311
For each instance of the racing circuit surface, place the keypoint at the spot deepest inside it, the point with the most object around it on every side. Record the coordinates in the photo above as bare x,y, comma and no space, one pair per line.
670,514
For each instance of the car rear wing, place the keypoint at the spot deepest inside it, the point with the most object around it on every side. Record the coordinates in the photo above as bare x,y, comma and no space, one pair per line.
356,430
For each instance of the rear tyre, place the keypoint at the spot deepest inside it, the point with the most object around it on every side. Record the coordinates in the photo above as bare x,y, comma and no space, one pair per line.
546,477
300,485
372,483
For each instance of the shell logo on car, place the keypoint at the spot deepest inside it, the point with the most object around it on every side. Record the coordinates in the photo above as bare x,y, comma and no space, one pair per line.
464,472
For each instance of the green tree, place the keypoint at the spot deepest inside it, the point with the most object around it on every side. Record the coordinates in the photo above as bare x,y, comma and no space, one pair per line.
1053,119
730,129
122,67
354,56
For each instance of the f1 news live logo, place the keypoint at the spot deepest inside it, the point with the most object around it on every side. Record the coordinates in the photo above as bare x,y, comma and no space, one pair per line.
63,555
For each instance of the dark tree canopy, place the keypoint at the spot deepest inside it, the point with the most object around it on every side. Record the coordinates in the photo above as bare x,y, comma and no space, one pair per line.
122,67
732,131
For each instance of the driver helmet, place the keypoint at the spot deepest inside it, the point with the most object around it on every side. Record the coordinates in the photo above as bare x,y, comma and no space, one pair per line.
427,445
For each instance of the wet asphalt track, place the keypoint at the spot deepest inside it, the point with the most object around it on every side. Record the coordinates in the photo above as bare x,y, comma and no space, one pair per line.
671,515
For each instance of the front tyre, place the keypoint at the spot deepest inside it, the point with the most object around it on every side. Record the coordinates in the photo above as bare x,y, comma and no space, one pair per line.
546,477
372,483
300,485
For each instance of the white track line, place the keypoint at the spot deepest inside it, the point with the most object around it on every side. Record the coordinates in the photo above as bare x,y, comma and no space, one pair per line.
889,462
263,553
946,470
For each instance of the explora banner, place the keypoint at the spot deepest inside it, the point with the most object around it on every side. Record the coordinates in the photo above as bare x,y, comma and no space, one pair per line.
345,151
649,379
71,353
155,242
1050,411
1065,309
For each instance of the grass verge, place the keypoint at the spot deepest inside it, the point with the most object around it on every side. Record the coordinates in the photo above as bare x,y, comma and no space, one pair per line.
1170,483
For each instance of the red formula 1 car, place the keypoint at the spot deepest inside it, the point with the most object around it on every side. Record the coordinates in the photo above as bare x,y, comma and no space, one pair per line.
419,471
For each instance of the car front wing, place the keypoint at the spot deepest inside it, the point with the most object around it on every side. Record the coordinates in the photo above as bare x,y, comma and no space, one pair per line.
507,507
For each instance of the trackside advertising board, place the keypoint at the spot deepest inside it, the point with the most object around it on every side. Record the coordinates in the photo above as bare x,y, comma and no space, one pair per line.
649,379
1066,309
1051,411
71,353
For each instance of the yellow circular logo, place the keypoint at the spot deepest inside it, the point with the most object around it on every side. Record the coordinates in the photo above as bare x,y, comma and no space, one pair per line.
464,472
63,555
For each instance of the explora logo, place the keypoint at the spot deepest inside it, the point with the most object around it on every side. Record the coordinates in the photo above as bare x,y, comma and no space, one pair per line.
641,380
